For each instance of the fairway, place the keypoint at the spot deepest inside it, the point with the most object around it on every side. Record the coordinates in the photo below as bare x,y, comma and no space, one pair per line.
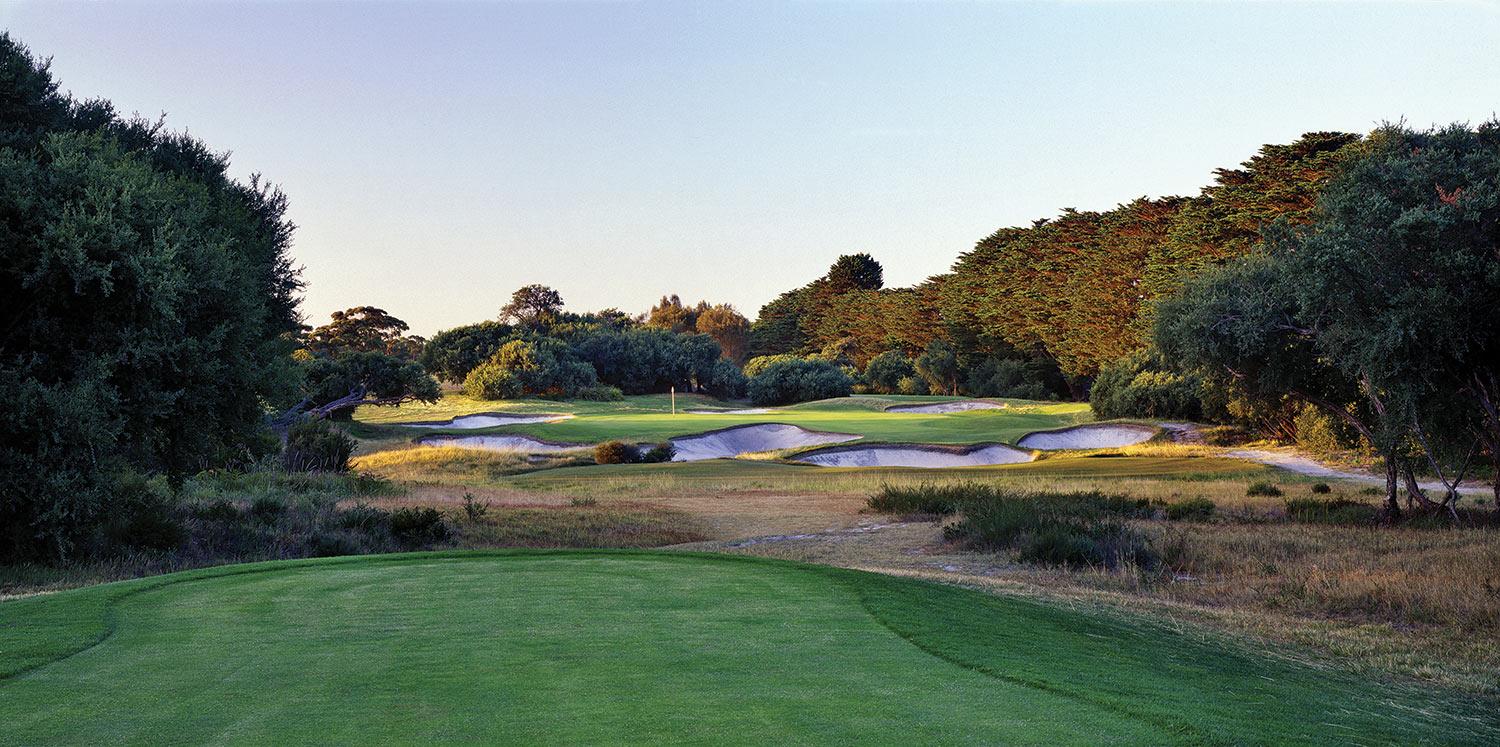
560,647
649,418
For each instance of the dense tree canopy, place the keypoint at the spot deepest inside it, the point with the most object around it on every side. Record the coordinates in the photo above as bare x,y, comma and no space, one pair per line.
150,308
1381,310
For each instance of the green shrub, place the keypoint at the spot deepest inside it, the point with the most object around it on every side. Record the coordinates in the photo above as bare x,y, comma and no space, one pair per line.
489,380
1321,487
911,385
583,502
417,527
785,382
1331,511
1014,377
1190,509
884,373
1320,433
613,452
315,445
726,380
600,393
662,452
1263,489
1141,386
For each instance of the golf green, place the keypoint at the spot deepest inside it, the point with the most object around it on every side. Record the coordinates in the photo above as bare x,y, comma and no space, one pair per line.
640,647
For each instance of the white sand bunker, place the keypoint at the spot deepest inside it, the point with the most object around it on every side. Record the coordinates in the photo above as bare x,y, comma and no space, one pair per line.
1088,437
488,420
916,455
748,411
942,407
747,439
524,444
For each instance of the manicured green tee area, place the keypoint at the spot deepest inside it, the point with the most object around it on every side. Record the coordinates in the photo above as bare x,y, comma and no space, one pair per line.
648,418
639,647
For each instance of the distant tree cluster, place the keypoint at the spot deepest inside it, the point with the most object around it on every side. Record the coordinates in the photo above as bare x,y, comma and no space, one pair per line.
554,353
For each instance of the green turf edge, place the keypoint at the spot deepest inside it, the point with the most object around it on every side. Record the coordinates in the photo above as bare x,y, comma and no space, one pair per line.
63,628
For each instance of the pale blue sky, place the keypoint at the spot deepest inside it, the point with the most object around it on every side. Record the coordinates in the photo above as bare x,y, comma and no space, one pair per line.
439,156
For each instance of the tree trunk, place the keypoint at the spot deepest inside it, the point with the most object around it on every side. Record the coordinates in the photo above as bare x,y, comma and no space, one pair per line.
1392,507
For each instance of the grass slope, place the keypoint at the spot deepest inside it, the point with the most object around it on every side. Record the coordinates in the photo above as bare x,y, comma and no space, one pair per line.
532,647
648,418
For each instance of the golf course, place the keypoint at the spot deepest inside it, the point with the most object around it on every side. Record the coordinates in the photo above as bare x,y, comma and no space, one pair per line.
640,647
749,373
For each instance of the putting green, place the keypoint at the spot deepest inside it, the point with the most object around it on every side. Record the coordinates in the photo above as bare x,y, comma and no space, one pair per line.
568,647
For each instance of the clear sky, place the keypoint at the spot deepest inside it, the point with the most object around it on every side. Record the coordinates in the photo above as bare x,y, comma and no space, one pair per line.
439,156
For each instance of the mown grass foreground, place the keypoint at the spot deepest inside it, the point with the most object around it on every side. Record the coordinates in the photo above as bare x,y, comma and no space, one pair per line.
591,646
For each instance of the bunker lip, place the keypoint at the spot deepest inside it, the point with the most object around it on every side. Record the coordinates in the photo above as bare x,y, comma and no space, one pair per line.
1091,436
927,456
488,420
751,438
503,442
967,405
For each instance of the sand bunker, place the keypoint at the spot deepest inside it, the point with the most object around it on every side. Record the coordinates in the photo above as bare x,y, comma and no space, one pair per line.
916,455
749,411
747,439
524,444
1088,437
488,420
942,407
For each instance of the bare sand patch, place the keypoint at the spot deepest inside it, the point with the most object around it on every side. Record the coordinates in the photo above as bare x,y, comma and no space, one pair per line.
748,439
916,455
947,407
507,442
1088,437
488,420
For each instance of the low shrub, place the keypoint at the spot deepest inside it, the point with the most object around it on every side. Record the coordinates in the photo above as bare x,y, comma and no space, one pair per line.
315,445
1331,511
662,452
364,518
417,527
1190,510
332,545
583,502
267,509
613,452
1085,529
142,516
220,510
1263,489
474,511
1321,488
927,499
600,393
